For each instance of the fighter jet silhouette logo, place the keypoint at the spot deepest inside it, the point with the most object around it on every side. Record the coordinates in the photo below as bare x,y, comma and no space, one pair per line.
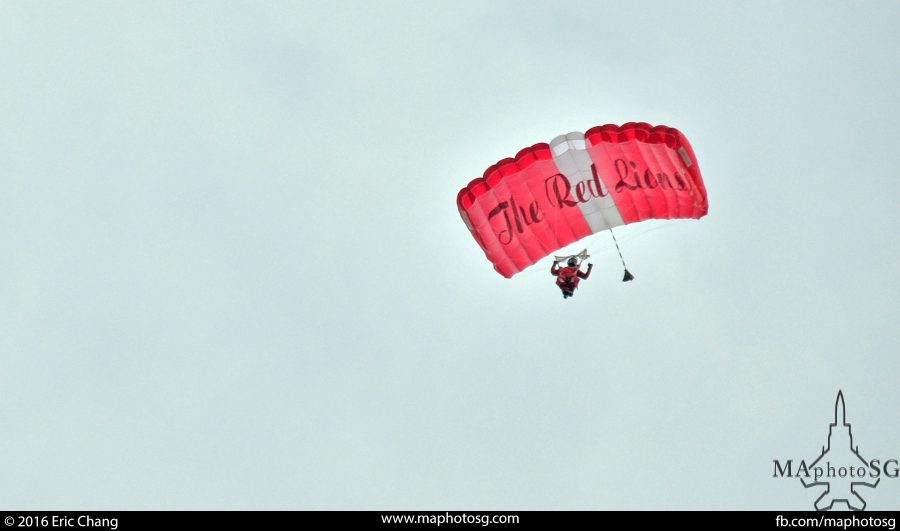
841,454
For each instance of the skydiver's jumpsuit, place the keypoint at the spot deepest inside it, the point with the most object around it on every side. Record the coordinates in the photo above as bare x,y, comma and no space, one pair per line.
567,278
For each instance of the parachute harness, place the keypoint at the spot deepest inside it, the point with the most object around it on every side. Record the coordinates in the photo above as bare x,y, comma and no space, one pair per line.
583,255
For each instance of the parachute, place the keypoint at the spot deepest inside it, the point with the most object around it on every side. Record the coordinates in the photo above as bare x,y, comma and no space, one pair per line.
551,195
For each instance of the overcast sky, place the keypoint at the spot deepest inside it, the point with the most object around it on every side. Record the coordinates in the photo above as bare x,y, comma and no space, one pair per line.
233,274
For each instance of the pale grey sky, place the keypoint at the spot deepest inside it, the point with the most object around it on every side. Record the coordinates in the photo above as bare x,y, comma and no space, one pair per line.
233,273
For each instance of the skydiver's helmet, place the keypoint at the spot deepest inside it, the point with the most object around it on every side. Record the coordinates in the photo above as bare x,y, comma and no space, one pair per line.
572,262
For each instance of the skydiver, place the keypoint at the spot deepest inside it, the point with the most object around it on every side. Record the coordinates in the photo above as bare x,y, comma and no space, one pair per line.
567,278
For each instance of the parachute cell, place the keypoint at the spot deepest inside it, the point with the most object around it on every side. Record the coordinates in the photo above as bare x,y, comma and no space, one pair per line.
551,195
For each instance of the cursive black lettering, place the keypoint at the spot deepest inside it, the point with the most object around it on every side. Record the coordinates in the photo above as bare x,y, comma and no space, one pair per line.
664,180
505,236
622,171
521,218
561,190
650,179
595,185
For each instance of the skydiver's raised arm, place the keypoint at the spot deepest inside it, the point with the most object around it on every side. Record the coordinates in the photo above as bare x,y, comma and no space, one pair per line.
586,274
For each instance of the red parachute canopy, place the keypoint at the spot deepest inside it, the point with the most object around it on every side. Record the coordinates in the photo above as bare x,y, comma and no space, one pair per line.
551,195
